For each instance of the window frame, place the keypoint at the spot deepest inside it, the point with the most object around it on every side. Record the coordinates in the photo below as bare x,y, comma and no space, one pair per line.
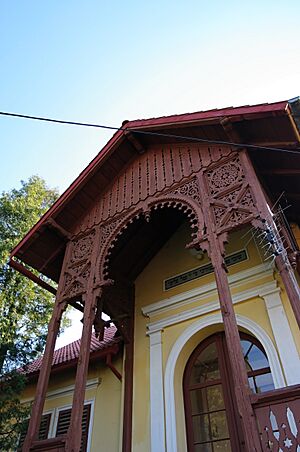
68,406
54,412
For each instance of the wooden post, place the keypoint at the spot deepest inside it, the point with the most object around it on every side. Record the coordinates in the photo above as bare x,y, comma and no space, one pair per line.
128,389
291,285
237,363
90,299
75,431
214,244
282,262
41,389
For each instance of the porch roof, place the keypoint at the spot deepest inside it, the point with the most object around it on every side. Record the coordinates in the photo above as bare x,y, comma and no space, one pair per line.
272,125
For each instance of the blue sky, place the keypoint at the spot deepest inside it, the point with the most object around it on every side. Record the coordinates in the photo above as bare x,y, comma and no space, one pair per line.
106,61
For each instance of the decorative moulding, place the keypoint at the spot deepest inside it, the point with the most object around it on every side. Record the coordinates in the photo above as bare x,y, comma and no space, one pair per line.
68,390
201,292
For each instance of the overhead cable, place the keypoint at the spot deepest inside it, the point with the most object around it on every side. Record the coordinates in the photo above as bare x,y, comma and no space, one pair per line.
147,132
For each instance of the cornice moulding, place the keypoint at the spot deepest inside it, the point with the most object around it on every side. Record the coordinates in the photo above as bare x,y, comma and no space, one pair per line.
270,287
67,390
204,291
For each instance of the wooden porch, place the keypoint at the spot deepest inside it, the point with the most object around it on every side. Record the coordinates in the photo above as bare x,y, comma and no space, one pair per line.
277,416
128,202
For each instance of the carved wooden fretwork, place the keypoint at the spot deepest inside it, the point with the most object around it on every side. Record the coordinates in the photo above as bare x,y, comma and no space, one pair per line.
159,169
165,177
182,198
188,190
78,268
230,194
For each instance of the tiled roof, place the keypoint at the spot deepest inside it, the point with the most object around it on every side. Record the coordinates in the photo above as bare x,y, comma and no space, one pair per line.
70,352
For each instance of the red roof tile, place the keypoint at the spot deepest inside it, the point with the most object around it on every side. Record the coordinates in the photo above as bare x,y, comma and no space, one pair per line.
70,352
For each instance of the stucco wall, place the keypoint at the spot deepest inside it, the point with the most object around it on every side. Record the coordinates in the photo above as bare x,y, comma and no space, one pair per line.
171,260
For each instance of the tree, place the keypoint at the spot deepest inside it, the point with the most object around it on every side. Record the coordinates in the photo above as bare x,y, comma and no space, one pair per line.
25,308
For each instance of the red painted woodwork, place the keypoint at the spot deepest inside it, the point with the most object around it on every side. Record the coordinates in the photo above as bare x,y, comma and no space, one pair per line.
52,444
278,418
219,385
216,189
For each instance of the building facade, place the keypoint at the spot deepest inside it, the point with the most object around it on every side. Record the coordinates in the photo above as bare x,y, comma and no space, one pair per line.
178,231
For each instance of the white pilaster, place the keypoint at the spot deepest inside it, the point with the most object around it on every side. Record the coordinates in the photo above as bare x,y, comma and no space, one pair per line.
283,336
157,414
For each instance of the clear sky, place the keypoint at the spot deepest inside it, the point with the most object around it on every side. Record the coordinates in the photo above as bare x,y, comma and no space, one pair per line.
106,61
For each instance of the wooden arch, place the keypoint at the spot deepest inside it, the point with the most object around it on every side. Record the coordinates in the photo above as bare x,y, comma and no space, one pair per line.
217,188
181,202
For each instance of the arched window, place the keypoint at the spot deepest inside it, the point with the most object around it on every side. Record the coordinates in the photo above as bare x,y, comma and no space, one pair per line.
211,421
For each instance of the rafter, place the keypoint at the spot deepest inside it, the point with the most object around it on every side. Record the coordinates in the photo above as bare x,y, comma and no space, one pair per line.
135,142
230,130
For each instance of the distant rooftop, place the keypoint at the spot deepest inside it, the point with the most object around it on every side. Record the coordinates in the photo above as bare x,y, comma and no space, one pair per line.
67,356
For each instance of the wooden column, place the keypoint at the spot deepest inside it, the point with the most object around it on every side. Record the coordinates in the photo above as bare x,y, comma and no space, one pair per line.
237,363
90,299
75,431
214,244
42,385
282,262
128,389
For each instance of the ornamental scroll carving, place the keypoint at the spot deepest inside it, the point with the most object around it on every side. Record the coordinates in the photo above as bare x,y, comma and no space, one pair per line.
78,269
156,171
190,190
231,197
223,182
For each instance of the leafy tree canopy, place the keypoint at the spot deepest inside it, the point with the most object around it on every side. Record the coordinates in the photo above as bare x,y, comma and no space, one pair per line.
25,308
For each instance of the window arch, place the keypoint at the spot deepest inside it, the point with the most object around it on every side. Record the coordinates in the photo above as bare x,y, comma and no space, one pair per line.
211,420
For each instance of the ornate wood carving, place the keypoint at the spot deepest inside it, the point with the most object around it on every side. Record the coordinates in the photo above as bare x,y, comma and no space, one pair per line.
218,191
230,194
278,419
157,170
78,267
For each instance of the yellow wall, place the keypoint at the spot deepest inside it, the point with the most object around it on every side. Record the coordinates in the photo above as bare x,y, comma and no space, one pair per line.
174,259
106,397
171,260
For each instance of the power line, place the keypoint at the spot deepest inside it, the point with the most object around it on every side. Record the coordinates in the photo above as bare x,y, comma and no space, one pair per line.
144,132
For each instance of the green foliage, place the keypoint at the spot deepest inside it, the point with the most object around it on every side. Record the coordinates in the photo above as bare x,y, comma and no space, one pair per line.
25,308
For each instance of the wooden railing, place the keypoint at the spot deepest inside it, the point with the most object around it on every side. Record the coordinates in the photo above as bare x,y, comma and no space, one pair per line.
278,418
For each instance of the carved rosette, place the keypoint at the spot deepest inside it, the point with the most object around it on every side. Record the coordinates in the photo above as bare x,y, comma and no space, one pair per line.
79,267
230,195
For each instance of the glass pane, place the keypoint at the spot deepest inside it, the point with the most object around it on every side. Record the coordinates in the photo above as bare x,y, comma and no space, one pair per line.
215,398
264,382
201,428
252,385
203,447
222,446
218,425
206,366
199,401
254,357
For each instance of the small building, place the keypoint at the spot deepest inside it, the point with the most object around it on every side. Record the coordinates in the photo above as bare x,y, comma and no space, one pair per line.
184,230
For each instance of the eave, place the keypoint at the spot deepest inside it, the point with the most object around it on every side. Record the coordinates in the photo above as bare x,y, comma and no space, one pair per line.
264,125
